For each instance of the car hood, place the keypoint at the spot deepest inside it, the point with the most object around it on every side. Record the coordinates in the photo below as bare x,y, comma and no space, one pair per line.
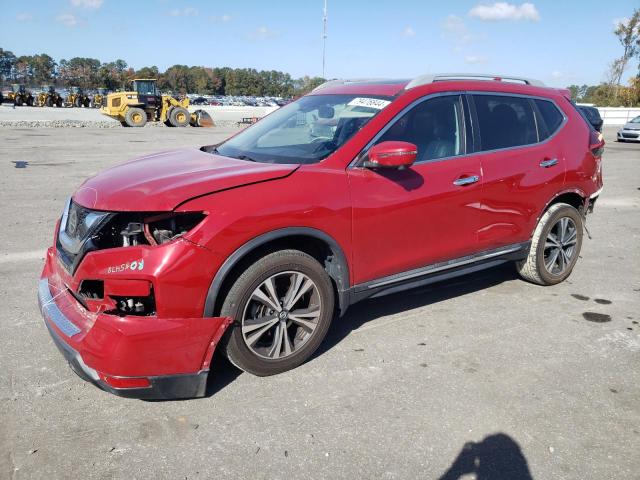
631,126
162,181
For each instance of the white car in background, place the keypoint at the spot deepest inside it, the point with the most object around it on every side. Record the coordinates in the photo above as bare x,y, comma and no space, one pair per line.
630,132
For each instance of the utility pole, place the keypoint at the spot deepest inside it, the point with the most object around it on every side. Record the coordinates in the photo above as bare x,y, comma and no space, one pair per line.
324,35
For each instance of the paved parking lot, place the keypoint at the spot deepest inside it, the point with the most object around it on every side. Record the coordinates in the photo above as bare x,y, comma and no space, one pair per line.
485,374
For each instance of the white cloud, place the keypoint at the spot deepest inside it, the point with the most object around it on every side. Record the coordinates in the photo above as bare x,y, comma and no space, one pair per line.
454,24
408,32
221,18
475,59
457,31
24,17
505,11
262,33
87,3
185,12
68,20
557,74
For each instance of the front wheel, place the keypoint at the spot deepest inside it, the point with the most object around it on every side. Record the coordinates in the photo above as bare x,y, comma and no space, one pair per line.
179,117
135,117
282,306
555,246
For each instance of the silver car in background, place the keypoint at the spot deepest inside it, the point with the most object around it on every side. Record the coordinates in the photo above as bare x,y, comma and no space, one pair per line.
630,132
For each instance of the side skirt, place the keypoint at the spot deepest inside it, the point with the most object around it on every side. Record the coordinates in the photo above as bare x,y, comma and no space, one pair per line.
437,272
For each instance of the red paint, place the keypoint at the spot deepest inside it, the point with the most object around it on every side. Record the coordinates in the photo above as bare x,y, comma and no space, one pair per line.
385,220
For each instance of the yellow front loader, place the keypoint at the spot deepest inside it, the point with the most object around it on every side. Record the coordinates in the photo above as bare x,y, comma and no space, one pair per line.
145,104
48,97
77,98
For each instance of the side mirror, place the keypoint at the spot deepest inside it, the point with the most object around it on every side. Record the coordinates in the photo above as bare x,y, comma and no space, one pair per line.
392,154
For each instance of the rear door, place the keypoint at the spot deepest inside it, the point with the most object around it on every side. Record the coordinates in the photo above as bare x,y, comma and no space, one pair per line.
522,164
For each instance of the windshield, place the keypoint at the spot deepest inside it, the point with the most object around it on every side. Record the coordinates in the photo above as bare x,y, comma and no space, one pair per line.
635,120
145,87
305,131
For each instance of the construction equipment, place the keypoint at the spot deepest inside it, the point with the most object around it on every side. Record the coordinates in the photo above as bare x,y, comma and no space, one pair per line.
18,95
145,103
98,97
49,97
77,98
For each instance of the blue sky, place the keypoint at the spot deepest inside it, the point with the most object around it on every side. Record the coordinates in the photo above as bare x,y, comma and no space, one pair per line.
559,42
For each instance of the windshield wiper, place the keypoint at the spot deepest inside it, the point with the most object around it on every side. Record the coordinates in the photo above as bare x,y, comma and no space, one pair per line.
245,157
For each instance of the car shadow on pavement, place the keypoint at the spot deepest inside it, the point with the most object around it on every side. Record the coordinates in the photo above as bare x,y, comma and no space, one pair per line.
224,373
497,457
371,309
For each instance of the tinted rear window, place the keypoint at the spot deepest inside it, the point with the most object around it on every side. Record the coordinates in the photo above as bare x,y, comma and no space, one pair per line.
551,118
505,121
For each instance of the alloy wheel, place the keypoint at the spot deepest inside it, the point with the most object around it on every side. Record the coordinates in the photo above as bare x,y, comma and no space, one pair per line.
560,246
281,315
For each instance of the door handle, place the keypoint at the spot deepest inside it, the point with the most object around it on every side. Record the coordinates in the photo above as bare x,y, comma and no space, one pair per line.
466,180
549,163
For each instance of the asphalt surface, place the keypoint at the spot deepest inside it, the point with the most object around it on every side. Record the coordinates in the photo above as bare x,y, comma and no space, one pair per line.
484,377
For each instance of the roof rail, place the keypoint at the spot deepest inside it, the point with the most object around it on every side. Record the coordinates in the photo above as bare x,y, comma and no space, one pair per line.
439,77
343,81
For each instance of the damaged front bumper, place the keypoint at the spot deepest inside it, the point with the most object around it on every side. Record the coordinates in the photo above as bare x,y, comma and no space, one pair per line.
146,357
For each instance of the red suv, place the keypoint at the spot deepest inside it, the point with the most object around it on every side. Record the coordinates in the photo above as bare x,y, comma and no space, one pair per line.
356,190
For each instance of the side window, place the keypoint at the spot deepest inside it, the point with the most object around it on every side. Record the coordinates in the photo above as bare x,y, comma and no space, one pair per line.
434,126
505,121
551,118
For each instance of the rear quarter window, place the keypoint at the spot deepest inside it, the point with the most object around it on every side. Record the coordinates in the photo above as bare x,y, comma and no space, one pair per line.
549,119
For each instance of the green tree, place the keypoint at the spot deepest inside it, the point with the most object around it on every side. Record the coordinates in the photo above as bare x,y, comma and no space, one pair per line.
628,33
7,64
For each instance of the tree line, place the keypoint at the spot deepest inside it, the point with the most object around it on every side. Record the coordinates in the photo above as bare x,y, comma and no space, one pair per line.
91,73
611,92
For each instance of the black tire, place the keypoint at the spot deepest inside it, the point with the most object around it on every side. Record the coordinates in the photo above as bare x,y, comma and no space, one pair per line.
534,268
238,299
59,103
86,103
167,122
30,101
620,140
179,117
18,102
49,102
124,124
135,117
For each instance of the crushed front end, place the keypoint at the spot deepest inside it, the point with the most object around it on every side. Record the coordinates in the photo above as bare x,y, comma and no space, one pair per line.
122,295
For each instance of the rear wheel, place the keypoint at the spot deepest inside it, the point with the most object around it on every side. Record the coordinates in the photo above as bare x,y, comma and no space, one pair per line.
135,117
282,306
49,102
30,101
555,246
59,103
18,102
86,103
179,117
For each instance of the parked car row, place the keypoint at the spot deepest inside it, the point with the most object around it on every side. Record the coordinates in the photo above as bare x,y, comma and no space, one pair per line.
240,101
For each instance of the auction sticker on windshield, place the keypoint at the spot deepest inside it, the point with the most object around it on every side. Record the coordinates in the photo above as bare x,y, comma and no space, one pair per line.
376,103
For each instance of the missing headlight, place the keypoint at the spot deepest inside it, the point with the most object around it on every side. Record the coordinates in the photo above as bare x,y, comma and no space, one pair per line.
165,228
136,228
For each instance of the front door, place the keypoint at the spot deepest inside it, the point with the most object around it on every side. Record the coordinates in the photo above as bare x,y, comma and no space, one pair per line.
406,219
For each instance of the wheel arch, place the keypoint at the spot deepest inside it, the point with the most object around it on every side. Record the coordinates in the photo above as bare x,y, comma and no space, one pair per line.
315,242
574,197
